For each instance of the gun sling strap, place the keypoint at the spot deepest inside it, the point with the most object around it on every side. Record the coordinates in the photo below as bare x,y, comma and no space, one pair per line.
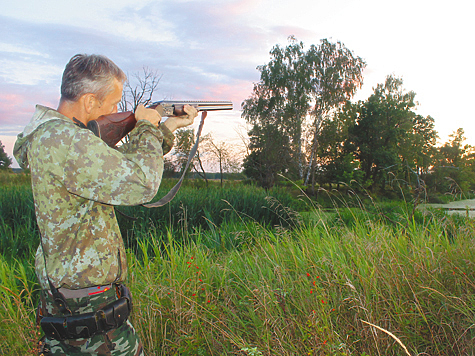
171,194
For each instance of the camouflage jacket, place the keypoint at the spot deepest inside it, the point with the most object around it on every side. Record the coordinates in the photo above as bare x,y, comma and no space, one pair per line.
76,180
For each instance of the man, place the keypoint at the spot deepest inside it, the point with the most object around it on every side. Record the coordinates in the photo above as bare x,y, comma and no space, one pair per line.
76,180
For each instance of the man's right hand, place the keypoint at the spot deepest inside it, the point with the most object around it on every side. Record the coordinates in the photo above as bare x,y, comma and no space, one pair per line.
143,113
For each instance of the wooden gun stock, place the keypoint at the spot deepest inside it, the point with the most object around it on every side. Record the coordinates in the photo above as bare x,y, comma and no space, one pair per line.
113,128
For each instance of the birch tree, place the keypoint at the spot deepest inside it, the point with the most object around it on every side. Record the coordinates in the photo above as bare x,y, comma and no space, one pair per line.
336,74
298,85
281,98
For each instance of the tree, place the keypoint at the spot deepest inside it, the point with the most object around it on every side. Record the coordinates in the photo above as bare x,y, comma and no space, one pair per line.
454,169
5,161
281,97
388,135
270,154
222,154
169,167
139,89
336,165
382,121
297,84
335,75
454,152
422,143
201,172
184,141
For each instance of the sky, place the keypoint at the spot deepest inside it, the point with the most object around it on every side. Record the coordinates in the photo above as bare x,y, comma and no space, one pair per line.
209,50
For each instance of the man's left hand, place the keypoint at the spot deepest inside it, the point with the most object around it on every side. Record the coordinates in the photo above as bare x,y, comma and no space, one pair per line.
176,122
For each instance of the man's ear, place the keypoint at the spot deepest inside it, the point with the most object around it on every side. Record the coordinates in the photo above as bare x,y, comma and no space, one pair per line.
89,102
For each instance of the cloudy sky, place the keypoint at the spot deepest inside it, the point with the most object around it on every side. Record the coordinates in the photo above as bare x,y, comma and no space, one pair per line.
209,49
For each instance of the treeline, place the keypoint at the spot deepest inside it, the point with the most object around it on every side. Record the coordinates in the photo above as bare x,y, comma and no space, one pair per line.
170,173
304,127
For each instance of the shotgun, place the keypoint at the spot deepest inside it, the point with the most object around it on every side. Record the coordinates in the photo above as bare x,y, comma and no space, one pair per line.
113,128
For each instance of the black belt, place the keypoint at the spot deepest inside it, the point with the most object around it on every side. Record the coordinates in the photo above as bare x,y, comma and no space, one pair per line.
87,325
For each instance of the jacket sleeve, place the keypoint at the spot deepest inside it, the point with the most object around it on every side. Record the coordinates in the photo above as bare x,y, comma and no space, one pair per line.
129,176
134,139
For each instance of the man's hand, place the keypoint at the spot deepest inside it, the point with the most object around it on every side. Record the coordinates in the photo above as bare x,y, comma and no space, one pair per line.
176,122
143,113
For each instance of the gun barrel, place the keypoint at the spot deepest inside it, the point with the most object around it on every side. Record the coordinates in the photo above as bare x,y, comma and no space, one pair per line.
201,105
215,105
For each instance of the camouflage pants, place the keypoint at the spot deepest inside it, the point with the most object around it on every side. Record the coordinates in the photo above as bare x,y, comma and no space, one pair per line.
122,341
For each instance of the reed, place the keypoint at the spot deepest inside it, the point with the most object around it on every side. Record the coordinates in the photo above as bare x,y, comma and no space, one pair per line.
18,299
194,207
359,279
318,290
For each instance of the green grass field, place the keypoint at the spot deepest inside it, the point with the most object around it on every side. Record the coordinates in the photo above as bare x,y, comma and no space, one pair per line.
241,271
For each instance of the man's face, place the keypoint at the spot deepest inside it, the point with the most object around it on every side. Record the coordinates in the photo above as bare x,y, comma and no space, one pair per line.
109,104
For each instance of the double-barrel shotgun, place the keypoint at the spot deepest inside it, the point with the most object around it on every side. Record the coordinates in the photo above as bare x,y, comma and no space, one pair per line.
114,127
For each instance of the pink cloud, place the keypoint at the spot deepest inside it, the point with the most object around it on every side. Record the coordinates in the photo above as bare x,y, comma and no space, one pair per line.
239,7
14,109
17,103
300,33
236,92
10,100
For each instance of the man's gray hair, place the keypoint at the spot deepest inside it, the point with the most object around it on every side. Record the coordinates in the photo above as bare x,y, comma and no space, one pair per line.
89,74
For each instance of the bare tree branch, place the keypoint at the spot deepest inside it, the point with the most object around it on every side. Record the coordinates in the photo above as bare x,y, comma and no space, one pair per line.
139,89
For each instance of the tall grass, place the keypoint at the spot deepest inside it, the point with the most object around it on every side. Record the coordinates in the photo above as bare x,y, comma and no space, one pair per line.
379,280
18,299
194,207
19,234
313,291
